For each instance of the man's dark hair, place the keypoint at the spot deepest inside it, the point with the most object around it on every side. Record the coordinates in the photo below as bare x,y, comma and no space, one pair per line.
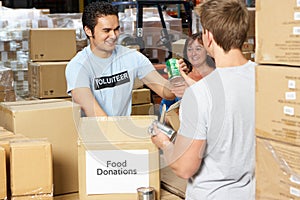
94,10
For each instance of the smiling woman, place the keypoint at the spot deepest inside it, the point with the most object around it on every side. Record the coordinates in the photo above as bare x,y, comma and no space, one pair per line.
198,62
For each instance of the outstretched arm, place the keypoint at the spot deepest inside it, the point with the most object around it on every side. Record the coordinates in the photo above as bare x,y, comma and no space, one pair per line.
87,101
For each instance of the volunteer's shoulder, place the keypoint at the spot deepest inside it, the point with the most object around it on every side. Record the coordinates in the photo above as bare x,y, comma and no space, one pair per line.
78,59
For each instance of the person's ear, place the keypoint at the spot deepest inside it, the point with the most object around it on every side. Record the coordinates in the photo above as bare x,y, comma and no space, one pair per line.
88,31
209,37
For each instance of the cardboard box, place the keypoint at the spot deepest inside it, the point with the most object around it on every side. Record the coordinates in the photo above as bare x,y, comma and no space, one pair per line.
6,79
31,170
277,36
143,109
3,177
277,103
52,44
137,83
251,31
277,170
5,143
34,197
141,96
47,79
165,195
171,116
116,156
56,120
177,48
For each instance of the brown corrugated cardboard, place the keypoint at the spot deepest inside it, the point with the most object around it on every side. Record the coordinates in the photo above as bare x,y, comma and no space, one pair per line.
31,170
142,109
3,186
165,195
277,170
122,145
52,44
141,96
172,116
5,143
251,31
34,197
137,83
177,48
277,103
55,119
277,36
47,79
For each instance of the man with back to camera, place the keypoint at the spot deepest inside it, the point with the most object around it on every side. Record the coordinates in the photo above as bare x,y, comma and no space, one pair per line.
215,144
100,78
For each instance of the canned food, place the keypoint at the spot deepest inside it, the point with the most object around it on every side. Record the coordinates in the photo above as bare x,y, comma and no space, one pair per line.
146,193
165,129
173,71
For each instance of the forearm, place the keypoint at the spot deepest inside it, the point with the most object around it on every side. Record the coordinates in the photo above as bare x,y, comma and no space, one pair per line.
87,102
184,157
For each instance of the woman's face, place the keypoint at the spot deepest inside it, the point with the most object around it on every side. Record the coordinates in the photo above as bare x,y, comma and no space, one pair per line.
196,53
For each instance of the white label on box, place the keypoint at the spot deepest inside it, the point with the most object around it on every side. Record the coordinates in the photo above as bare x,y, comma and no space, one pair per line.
295,191
295,179
116,171
296,30
292,84
154,53
297,16
290,95
298,2
4,56
149,40
288,110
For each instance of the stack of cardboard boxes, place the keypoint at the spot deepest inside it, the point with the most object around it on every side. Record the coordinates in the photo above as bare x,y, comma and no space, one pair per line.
7,92
24,159
50,49
141,102
277,100
53,119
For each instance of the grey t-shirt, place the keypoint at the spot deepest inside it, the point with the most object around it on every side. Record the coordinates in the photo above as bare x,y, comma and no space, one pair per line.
220,109
111,79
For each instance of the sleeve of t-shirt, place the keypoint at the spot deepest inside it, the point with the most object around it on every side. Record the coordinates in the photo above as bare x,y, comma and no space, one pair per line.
76,76
145,66
194,113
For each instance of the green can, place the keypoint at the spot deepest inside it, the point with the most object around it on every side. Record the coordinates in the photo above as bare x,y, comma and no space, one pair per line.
173,71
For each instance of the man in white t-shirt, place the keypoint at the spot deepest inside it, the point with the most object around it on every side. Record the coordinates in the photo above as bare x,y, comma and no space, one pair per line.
100,78
215,144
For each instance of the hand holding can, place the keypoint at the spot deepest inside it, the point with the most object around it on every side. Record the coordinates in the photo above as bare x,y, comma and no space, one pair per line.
173,70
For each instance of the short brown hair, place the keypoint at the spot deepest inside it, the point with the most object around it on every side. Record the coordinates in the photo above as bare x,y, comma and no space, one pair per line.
227,20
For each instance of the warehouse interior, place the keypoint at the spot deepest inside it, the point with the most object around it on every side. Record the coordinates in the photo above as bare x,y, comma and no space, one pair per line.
47,148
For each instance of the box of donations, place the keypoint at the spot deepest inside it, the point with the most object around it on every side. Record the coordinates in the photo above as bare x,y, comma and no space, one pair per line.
115,157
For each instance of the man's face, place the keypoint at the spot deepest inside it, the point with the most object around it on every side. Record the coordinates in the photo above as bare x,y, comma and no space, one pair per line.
105,36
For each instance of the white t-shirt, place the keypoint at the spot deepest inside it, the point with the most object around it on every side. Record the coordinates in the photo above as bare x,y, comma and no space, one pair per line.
220,109
111,79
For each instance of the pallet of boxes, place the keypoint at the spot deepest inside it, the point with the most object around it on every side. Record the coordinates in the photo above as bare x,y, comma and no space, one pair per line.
49,116
277,100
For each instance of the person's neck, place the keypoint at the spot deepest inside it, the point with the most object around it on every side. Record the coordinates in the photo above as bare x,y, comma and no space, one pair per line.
232,58
101,54
203,69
